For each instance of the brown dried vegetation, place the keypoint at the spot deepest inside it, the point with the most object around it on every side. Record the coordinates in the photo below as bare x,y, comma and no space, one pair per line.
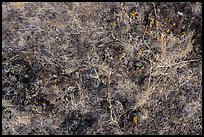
101,68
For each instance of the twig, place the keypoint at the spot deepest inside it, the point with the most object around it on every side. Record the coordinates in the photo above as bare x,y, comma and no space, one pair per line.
149,91
186,61
150,72
10,59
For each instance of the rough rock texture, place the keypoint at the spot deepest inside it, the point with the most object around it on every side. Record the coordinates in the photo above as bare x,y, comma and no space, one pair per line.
101,68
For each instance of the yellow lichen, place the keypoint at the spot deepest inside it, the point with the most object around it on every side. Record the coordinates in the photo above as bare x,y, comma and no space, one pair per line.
157,23
168,30
167,19
54,81
135,121
160,38
134,13
151,23
114,24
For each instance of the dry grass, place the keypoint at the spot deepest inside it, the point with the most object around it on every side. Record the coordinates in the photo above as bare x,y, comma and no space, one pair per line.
171,53
101,68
